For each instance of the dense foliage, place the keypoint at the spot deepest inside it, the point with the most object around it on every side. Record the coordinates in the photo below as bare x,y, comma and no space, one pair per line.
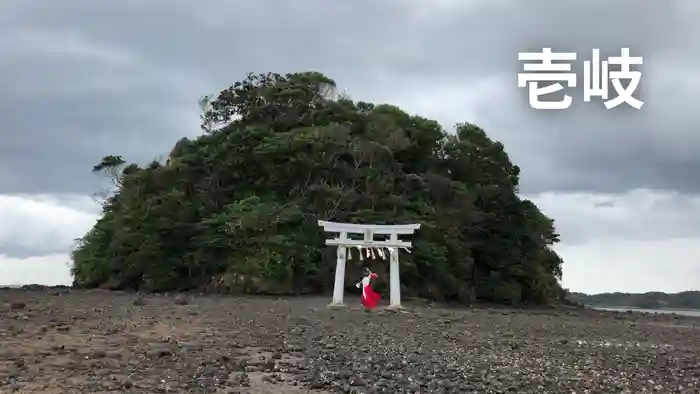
650,300
236,209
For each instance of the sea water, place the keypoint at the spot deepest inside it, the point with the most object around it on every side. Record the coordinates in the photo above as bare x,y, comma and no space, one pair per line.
686,312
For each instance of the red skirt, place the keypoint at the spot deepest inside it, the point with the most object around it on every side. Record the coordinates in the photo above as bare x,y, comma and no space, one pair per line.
370,298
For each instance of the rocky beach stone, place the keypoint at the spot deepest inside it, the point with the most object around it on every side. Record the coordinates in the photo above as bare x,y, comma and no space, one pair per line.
96,341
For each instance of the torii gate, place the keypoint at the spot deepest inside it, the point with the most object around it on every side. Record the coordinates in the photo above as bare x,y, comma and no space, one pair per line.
342,241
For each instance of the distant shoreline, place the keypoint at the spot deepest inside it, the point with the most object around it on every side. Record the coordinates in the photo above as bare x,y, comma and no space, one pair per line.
33,286
635,308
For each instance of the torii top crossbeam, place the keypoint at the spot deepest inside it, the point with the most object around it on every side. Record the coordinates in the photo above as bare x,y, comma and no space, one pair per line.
355,228
342,241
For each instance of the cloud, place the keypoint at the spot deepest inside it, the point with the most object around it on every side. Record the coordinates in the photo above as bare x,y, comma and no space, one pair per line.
42,225
669,265
637,241
103,89
637,215
48,270
41,45
36,235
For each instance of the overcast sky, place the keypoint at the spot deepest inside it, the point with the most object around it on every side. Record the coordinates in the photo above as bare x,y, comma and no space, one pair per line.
83,79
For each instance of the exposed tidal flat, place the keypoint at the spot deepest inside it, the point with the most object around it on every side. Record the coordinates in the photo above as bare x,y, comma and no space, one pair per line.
70,341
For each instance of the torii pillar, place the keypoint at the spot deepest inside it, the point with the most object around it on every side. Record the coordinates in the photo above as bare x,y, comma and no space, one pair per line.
342,241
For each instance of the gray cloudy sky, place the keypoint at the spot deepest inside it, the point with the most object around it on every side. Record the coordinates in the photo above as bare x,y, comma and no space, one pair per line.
82,79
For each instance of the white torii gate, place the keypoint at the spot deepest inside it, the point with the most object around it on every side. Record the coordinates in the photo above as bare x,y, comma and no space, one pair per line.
342,241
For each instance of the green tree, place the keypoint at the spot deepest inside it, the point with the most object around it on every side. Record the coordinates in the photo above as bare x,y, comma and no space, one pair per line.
236,209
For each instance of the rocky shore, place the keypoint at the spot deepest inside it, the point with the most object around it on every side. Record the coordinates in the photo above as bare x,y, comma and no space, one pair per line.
70,341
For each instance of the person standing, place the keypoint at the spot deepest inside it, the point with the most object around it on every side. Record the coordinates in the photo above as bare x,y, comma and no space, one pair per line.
370,298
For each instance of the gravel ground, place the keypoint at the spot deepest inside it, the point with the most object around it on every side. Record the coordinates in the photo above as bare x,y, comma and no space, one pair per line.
69,341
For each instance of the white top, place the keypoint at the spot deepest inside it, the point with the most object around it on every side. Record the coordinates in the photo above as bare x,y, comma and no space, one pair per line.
364,282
